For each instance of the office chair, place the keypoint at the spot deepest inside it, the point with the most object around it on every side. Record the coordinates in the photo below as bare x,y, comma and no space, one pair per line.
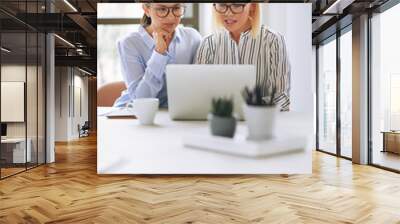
84,130
108,93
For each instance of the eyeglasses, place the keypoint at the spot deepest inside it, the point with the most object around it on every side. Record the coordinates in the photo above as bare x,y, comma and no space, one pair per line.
222,8
163,12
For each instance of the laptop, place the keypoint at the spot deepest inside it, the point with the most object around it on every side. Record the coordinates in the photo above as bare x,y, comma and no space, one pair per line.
192,87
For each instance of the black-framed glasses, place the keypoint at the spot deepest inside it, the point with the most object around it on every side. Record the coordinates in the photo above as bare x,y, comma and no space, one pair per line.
177,11
235,8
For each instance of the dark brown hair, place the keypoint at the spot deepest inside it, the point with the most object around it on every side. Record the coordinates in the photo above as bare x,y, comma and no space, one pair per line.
145,21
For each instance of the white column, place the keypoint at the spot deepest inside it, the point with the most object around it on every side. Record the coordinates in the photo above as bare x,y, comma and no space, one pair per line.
360,90
50,94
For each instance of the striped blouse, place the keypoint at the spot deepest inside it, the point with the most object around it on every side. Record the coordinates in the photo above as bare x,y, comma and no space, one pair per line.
267,51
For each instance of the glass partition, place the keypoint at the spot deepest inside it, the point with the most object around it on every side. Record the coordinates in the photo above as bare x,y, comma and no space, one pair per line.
22,77
13,103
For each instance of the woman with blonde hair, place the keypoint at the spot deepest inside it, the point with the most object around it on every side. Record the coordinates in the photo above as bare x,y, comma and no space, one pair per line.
145,53
243,40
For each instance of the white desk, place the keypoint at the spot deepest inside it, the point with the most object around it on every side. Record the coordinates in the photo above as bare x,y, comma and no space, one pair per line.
19,155
125,147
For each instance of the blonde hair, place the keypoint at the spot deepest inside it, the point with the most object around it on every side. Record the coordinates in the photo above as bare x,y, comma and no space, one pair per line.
255,20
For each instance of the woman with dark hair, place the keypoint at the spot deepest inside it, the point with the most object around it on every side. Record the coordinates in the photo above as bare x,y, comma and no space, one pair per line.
144,54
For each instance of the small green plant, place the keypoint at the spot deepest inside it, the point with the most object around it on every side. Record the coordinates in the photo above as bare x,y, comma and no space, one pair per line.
259,96
222,107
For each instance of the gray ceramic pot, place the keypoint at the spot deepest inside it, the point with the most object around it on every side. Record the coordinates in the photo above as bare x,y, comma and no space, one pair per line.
222,126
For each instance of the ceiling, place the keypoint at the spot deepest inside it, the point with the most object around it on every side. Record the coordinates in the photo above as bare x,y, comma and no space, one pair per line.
331,16
75,43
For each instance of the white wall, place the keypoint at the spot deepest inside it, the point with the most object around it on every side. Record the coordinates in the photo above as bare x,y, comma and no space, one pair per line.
67,112
80,84
62,81
205,19
293,22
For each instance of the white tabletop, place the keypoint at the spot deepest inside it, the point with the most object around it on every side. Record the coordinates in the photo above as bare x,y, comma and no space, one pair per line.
125,147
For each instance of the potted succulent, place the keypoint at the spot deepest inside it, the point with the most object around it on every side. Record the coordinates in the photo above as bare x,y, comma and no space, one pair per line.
222,122
260,112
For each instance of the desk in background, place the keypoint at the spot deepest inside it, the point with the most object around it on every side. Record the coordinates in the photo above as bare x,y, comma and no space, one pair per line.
391,141
13,150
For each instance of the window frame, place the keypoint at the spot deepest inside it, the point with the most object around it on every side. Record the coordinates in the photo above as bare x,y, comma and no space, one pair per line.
334,37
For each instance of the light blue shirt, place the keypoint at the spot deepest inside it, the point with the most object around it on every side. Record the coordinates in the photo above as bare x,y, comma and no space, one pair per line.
143,69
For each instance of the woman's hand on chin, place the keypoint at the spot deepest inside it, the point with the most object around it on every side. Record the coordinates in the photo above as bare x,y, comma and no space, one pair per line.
162,40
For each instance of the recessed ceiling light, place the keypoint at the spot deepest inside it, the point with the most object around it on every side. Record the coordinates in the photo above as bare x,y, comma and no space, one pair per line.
5,50
84,71
337,7
70,5
64,40
329,9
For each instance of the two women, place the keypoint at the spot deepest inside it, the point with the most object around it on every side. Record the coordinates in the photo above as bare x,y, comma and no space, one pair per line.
240,40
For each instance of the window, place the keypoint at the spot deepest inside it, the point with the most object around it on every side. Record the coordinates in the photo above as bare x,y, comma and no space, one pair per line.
346,93
335,94
327,96
108,63
119,11
385,89
394,101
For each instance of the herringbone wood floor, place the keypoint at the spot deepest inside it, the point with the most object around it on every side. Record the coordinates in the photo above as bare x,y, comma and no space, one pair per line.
70,191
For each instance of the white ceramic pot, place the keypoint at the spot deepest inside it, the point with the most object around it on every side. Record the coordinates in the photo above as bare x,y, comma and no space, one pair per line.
260,121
